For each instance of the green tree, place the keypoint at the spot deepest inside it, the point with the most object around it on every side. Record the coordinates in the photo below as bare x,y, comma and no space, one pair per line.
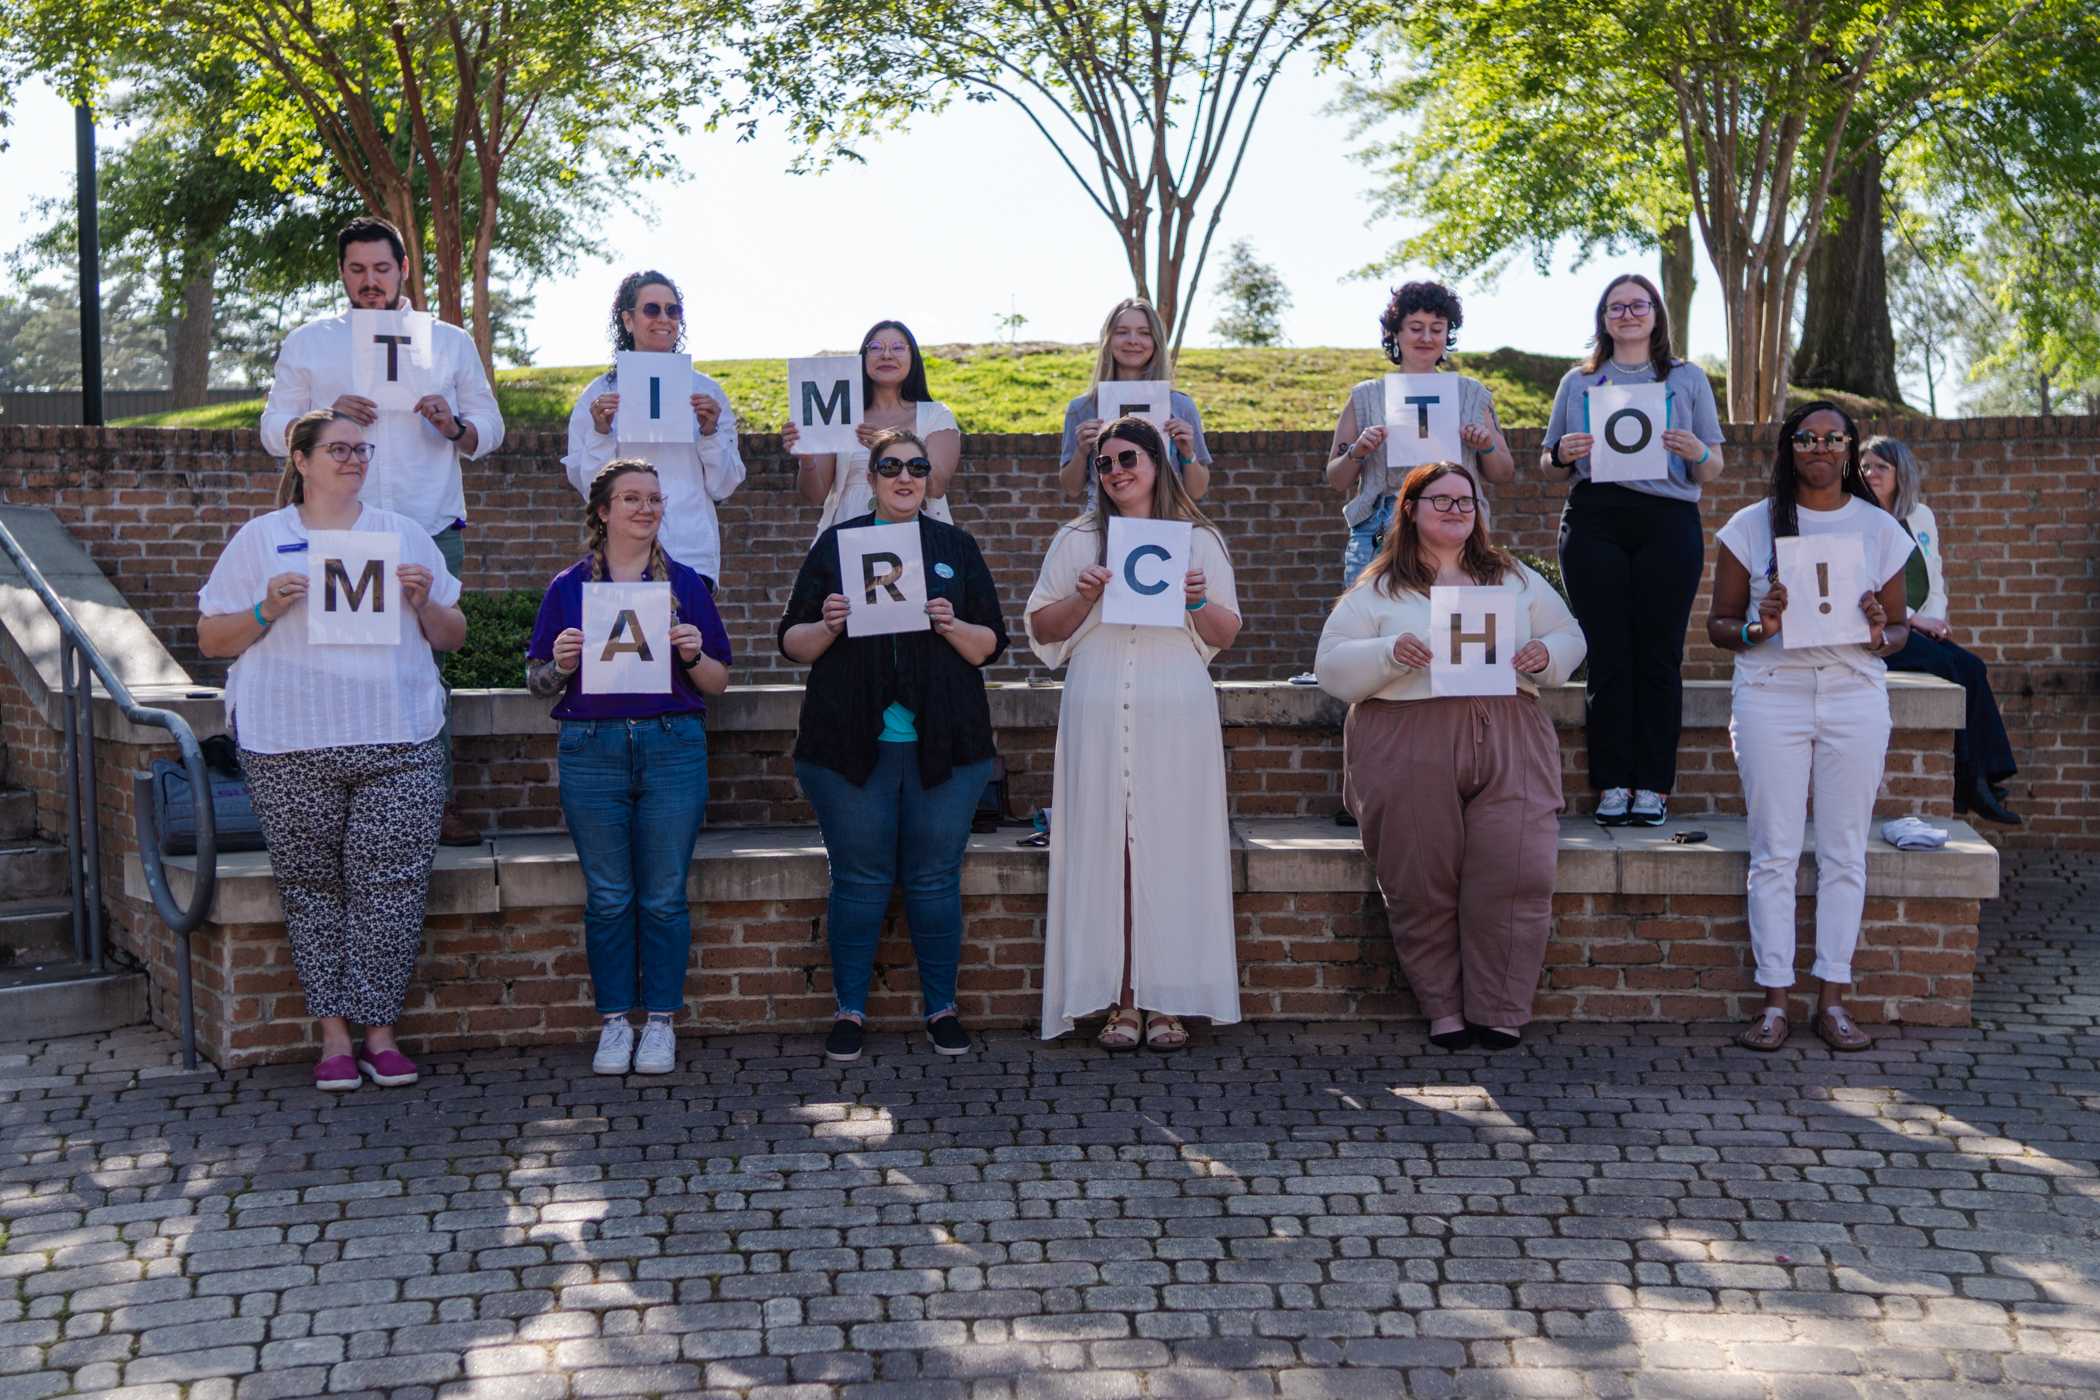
40,336
1254,297
1148,105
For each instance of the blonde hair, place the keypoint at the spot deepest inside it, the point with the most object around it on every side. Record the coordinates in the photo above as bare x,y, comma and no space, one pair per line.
598,502
1909,485
1105,359
300,440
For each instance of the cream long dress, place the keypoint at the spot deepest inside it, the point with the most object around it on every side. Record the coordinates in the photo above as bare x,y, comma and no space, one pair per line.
1139,750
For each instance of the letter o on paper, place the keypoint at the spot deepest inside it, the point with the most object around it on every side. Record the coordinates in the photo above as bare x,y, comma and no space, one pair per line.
1611,430
1130,569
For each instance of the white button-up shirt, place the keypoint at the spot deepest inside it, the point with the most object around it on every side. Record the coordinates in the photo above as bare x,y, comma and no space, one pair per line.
414,470
694,475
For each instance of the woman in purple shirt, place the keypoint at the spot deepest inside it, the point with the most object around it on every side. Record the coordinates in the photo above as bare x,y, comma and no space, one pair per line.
633,769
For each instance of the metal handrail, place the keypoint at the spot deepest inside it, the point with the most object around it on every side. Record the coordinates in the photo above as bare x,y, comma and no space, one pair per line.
77,658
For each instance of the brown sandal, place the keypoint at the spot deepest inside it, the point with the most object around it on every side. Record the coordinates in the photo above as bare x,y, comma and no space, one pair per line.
1165,1033
1767,1033
1122,1031
1838,1030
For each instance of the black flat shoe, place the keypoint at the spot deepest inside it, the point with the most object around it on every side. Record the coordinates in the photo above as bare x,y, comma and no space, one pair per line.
1496,1040
1342,817
1990,806
1460,1039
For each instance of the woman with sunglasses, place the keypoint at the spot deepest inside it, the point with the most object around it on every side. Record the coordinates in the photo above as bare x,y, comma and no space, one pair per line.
1983,756
1631,552
893,385
1140,903
1134,346
633,768
1458,797
1419,328
648,314
1811,720
339,744
895,746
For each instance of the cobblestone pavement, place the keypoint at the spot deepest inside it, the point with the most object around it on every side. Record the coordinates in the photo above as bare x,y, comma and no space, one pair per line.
1290,1211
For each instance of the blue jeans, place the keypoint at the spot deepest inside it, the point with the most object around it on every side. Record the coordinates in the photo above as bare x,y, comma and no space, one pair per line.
887,832
1364,539
634,793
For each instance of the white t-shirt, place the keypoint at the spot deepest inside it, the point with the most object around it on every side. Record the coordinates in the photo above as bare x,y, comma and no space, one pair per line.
852,493
1748,536
693,475
291,696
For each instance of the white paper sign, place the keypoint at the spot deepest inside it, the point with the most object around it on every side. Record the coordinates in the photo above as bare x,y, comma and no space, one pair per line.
1627,422
626,638
1472,641
353,598
1823,576
656,397
883,576
1149,399
390,358
1147,561
1421,419
824,402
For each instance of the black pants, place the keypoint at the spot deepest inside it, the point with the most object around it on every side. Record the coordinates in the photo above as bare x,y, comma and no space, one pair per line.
1631,562
1981,746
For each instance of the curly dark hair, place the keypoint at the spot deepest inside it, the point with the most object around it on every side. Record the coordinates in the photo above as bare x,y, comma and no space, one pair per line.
630,292
1410,297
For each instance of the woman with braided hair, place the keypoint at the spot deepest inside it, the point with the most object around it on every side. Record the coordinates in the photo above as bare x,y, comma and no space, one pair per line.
633,769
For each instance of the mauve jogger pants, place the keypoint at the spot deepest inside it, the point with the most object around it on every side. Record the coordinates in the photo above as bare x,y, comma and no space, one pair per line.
1458,801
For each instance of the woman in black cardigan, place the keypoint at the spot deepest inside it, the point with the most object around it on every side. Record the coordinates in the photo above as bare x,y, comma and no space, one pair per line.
895,746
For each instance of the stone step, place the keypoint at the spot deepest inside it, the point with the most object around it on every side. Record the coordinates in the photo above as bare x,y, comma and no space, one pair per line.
32,870
68,998
35,931
17,814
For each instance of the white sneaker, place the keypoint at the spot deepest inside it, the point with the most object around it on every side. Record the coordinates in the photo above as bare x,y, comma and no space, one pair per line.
1649,809
659,1049
615,1048
1611,807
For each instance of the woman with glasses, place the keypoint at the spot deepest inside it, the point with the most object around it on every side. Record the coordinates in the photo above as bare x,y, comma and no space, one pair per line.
1134,347
1419,328
1458,797
1983,756
1631,552
895,745
633,768
1140,909
893,384
649,315
339,744
1809,721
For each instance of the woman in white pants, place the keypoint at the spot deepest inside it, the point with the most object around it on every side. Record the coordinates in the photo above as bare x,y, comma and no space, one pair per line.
1809,719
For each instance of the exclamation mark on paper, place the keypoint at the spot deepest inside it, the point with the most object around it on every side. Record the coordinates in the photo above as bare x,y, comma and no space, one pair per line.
1823,587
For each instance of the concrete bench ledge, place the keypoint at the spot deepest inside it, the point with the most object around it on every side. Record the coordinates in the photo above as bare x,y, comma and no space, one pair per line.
1293,855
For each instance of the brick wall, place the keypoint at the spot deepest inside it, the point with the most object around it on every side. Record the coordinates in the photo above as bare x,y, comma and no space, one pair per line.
2015,498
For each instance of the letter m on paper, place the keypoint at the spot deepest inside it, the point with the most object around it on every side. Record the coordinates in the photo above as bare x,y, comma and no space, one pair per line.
371,579
816,408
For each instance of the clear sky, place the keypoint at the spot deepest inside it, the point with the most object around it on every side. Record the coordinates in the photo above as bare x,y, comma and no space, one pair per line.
955,221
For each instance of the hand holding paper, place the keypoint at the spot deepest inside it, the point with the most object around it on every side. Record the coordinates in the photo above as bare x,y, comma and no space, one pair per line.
1822,575
1472,635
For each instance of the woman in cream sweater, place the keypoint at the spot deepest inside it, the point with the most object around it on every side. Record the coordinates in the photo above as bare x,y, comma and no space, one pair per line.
1457,797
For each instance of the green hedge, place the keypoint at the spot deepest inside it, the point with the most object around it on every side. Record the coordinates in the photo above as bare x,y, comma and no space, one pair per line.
498,627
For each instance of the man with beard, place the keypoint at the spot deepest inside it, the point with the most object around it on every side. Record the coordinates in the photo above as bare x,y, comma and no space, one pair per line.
416,453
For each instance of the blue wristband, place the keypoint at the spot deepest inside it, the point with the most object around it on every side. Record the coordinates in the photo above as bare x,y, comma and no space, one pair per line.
1197,606
260,620
1704,457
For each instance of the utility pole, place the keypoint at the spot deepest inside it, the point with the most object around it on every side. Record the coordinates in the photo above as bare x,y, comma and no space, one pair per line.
90,268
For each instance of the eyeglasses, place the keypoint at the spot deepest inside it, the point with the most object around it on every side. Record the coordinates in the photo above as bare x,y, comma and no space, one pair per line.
1445,505
668,310
344,451
1621,310
630,500
1127,460
1830,440
897,347
893,466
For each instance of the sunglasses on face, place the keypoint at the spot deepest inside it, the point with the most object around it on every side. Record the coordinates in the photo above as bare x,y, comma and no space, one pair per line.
895,466
1445,505
1126,460
1830,440
344,451
668,310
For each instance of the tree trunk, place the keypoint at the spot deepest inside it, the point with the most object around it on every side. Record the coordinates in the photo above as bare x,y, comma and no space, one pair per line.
1846,340
1679,277
189,359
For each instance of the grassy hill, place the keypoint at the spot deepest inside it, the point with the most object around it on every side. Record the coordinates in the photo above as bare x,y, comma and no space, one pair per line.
1024,388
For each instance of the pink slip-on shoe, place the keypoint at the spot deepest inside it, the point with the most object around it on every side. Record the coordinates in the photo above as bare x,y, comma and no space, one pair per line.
388,1068
336,1073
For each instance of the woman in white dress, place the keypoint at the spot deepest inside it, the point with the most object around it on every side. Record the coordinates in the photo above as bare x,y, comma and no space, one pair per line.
1140,852
893,385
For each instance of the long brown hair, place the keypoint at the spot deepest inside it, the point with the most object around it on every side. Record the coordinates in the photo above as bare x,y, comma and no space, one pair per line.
1162,366
600,501
1399,567
1658,339
1170,499
300,441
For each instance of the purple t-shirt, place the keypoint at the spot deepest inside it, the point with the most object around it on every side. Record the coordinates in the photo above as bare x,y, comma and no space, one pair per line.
562,608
